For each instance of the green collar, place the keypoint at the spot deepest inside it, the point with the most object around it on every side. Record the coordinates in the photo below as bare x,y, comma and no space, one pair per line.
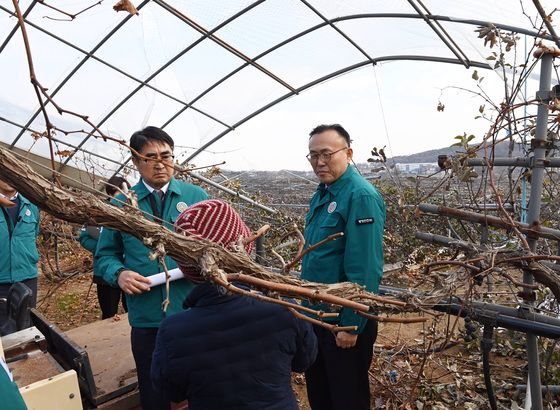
23,200
337,185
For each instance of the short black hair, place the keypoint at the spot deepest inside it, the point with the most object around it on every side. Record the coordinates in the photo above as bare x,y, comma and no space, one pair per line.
331,127
150,133
115,181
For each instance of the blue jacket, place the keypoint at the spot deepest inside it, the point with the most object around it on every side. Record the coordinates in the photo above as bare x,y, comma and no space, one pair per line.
231,352
18,253
116,250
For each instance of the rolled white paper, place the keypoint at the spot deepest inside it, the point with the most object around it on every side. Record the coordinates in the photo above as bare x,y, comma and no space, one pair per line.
159,278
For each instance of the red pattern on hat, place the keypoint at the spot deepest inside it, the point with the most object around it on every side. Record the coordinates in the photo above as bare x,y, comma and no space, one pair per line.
215,221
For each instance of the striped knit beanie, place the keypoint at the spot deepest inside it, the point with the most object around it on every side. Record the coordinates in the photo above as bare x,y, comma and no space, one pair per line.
213,220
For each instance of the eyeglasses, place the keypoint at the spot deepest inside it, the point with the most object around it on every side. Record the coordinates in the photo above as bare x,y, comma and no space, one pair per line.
167,158
324,156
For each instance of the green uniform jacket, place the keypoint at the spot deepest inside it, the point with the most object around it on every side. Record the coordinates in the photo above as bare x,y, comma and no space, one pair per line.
86,240
89,242
18,254
353,206
116,251
9,392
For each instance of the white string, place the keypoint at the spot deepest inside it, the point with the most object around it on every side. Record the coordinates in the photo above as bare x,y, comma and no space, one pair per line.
382,111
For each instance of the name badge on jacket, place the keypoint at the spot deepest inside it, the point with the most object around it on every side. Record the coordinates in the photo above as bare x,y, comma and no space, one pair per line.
364,221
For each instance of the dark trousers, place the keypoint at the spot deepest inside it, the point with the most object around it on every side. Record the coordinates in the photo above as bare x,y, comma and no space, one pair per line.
4,289
339,379
109,298
143,342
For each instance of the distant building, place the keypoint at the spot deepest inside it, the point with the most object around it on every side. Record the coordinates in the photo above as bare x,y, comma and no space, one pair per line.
420,168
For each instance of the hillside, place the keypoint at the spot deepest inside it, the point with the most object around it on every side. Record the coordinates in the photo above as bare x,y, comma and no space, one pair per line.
432,155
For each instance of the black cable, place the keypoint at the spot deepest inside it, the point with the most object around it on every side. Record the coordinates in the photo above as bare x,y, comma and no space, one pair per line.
486,347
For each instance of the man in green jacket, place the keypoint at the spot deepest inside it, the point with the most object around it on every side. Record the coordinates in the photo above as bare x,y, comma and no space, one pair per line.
344,202
124,261
19,227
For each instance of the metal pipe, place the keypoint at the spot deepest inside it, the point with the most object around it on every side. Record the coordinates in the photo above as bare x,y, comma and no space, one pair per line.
513,162
533,215
526,228
232,192
444,37
520,319
468,246
544,389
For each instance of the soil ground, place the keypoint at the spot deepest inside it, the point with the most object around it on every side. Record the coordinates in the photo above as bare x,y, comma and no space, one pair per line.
451,378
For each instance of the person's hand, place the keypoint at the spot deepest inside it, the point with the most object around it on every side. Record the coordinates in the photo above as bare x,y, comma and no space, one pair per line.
346,340
133,283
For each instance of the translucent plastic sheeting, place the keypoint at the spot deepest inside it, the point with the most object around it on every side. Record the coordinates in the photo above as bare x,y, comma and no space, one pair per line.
200,68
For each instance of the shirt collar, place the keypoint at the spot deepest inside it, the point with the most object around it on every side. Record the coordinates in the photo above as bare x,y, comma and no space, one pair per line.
151,189
10,198
143,190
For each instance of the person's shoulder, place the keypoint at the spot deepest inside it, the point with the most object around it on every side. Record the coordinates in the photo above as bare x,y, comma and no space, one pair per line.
363,189
272,311
361,186
190,189
34,208
118,200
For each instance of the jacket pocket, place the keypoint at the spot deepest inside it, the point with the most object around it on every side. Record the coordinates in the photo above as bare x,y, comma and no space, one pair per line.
26,225
333,221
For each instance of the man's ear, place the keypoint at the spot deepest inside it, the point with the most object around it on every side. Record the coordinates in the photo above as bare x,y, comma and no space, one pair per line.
349,154
135,161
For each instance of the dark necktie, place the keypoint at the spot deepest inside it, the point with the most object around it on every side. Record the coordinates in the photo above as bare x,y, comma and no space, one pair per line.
160,194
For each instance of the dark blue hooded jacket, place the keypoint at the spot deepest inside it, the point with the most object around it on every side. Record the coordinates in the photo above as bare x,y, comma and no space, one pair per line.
231,352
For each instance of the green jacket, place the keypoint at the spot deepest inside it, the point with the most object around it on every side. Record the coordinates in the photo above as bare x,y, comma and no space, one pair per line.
116,251
353,206
9,392
89,236
87,240
18,254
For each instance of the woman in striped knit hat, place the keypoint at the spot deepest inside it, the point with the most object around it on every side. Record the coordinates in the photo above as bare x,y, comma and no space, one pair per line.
228,351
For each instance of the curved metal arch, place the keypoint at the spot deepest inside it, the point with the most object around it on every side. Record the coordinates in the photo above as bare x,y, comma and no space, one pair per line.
107,64
354,17
323,24
6,120
157,72
330,22
328,77
80,64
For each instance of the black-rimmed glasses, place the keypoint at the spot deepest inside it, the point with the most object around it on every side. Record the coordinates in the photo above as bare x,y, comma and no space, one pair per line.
167,158
324,156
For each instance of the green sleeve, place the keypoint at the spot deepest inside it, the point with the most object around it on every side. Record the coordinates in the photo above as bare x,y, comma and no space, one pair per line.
363,255
201,194
87,241
109,255
9,392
